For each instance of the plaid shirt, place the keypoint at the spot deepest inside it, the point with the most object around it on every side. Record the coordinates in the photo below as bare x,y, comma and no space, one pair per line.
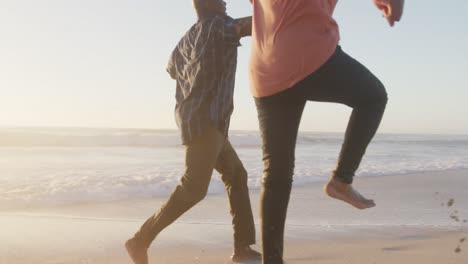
204,65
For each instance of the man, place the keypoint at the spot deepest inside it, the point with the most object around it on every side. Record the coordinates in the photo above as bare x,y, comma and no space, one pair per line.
295,59
204,66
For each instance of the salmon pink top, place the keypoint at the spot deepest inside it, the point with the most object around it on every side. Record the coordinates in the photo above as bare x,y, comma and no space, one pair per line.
291,40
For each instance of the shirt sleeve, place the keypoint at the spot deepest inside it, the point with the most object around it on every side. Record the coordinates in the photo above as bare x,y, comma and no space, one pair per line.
226,30
172,64
245,26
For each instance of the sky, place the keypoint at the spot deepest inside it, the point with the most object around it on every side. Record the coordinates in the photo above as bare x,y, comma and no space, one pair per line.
101,63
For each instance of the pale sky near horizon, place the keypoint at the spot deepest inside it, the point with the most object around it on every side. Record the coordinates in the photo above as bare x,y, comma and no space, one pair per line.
101,63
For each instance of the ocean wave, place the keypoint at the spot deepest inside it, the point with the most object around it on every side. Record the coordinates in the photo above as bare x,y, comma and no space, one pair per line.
48,166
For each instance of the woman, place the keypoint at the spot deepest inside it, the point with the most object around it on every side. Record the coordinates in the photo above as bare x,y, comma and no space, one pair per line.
296,58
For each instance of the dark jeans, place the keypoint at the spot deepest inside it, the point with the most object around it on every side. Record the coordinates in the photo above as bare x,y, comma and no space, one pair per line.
340,80
205,153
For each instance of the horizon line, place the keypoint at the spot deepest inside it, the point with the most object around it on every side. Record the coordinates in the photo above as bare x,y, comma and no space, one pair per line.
238,130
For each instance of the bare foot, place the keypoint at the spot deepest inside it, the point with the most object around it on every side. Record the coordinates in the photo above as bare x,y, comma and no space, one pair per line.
138,254
346,193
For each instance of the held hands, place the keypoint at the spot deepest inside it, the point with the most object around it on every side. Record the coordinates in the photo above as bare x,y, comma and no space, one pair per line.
391,9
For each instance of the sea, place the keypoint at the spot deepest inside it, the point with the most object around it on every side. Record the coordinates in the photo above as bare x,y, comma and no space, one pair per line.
60,166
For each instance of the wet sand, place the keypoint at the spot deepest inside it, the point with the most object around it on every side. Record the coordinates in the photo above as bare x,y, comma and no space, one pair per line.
415,221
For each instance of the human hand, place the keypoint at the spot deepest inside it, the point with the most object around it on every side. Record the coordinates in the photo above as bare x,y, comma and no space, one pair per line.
391,9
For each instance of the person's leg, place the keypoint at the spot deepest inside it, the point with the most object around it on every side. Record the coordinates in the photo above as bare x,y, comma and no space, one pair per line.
344,80
235,179
279,117
200,159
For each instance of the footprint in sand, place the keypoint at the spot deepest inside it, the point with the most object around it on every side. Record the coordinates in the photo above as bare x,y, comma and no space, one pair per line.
454,216
458,249
450,202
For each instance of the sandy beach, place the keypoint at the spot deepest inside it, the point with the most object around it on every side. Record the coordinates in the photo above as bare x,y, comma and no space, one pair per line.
107,106
415,221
